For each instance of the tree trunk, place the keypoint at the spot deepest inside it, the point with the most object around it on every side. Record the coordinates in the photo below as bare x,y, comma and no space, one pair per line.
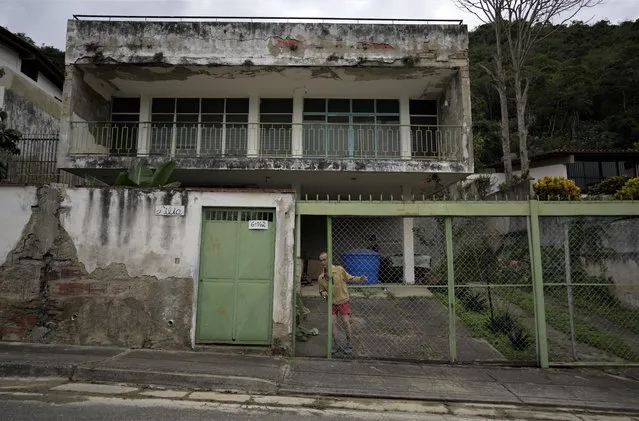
521,97
500,85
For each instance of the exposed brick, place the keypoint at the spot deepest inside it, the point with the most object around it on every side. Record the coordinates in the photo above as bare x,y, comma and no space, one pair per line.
285,42
24,319
362,45
72,288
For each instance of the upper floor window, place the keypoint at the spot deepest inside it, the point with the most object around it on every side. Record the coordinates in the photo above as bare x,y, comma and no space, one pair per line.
30,69
426,137
351,127
125,118
276,119
212,126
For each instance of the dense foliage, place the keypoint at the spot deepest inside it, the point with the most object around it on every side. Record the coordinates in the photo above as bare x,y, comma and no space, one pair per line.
630,190
55,56
584,90
556,188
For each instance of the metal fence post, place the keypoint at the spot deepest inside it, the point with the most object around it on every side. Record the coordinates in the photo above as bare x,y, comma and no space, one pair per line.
571,312
329,279
452,335
538,284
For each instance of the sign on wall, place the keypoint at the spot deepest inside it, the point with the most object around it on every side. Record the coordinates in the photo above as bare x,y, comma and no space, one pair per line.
258,225
169,210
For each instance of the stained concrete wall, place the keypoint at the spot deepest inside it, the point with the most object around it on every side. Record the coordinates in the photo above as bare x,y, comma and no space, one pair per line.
97,266
238,43
30,109
455,110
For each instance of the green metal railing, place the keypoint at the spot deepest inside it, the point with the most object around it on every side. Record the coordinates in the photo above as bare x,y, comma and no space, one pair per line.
527,282
276,140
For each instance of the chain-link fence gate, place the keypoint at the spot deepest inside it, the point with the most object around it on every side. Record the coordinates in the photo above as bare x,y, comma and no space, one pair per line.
465,289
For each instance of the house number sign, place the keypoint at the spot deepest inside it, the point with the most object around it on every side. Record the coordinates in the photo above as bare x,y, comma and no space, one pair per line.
258,225
169,210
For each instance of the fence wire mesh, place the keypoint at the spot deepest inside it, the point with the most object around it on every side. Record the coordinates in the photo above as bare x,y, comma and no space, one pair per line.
405,310
492,283
591,289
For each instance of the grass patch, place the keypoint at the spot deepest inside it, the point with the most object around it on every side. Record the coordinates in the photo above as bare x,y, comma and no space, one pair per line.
586,331
479,323
615,312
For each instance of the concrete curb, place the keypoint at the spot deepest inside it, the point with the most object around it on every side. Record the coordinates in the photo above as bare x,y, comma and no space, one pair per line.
232,384
11,369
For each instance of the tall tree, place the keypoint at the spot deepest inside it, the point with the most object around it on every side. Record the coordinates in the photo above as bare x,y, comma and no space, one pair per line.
491,12
526,23
523,23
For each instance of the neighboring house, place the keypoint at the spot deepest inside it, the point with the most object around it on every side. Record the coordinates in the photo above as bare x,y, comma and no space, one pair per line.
31,87
585,167
31,95
328,109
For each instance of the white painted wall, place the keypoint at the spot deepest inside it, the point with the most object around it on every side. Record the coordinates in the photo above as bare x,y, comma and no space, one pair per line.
46,85
9,58
119,226
555,170
15,211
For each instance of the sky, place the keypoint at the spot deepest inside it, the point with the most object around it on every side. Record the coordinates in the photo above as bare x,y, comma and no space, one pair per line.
45,20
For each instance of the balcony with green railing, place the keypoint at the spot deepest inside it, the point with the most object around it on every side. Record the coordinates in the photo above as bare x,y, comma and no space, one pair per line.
267,140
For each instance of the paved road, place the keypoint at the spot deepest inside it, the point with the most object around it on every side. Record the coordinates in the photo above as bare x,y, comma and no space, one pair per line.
111,409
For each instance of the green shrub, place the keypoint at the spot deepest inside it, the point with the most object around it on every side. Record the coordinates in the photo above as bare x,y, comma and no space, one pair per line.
630,190
556,188
610,185
519,338
501,323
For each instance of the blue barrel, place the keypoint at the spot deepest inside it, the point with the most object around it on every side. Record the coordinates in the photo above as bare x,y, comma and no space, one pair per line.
362,263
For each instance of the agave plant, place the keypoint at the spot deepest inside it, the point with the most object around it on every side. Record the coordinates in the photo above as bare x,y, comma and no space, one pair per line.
148,177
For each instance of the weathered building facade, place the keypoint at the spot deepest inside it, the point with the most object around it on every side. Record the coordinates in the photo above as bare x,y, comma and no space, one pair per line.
324,109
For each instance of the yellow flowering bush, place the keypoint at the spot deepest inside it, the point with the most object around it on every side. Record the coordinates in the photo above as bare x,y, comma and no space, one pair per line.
630,190
556,188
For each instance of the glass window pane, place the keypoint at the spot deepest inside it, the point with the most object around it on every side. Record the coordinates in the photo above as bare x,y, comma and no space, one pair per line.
126,105
164,118
339,106
213,105
276,105
237,118
237,105
312,105
315,118
163,105
423,107
125,117
186,118
388,106
188,105
364,119
276,118
212,118
388,119
423,121
363,106
338,119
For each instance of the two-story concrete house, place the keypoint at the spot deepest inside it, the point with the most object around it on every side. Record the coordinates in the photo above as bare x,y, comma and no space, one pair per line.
327,108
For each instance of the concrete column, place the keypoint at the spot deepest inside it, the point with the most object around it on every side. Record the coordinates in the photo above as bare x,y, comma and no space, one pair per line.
71,75
409,242
253,126
404,121
467,129
298,118
144,132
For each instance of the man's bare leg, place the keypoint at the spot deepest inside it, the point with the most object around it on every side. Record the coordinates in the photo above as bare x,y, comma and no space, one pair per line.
347,321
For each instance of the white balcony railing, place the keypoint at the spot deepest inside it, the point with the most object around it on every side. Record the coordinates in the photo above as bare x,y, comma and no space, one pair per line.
307,140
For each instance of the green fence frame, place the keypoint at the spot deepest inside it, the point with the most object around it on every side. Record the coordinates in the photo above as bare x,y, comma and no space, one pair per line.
531,209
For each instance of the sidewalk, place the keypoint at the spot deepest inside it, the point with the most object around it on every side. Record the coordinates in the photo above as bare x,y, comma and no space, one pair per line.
569,388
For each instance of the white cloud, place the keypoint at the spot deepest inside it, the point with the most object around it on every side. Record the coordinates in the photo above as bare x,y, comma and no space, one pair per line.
45,20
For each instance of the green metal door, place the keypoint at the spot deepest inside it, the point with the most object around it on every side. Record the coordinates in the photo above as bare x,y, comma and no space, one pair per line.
235,294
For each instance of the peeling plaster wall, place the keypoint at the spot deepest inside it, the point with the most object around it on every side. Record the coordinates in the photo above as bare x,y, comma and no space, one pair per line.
455,109
15,210
96,266
80,102
238,43
29,108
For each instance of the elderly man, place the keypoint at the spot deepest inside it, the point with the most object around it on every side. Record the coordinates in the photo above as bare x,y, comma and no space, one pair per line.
341,305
